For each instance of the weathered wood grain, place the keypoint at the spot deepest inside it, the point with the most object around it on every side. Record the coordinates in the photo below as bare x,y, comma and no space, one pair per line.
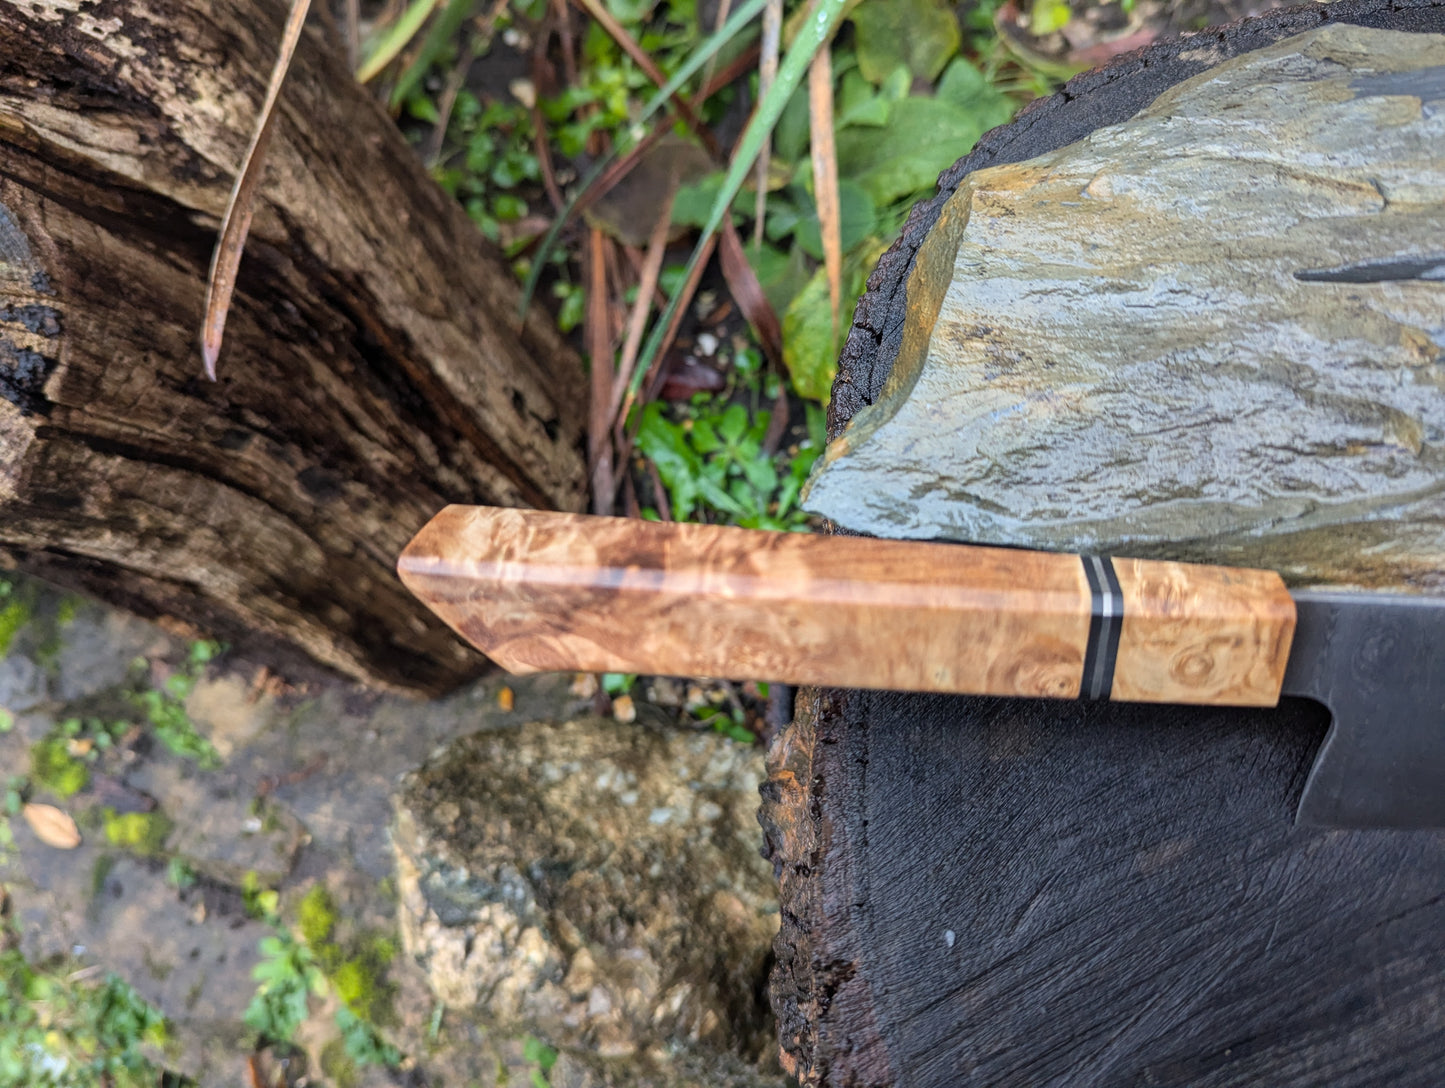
1217,636
991,892
374,368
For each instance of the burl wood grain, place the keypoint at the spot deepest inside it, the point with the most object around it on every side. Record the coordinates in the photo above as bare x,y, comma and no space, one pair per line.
1197,634
543,591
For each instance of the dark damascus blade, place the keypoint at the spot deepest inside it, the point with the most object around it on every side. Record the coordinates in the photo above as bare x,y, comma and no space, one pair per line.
1378,662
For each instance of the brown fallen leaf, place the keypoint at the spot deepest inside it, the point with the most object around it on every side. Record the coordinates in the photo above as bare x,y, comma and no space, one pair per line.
51,826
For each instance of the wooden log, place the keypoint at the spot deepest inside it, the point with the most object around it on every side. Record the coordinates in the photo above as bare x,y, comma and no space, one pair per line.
373,370
981,891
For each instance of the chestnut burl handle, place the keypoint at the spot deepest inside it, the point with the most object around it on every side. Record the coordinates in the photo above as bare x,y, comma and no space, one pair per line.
540,591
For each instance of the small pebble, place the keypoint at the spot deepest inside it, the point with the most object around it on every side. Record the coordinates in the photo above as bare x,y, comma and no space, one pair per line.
948,937
623,709
524,91
584,685
706,343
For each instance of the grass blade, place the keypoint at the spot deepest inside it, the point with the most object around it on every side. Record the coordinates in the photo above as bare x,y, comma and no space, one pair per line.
745,14
226,260
395,39
441,32
815,32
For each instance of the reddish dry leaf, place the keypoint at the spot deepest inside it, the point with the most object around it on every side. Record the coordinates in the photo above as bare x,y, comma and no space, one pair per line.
51,826
221,282
684,376
637,320
825,174
743,283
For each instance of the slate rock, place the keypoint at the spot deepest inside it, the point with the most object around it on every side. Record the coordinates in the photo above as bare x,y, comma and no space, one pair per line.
598,886
1215,332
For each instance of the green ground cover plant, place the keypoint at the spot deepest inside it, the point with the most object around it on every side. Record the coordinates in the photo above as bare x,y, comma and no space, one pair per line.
58,1030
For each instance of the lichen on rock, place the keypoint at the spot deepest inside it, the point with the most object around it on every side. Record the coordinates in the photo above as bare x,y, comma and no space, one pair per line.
597,886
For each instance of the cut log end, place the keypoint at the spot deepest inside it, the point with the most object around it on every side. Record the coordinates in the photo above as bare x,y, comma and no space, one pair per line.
1009,891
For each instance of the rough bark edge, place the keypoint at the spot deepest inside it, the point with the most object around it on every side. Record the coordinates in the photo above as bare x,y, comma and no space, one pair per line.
814,979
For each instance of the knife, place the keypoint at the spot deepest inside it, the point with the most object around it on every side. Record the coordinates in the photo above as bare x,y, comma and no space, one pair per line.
539,591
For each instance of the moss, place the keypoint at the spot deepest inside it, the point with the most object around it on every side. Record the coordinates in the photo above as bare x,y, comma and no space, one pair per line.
55,769
340,1070
316,916
67,610
13,616
360,981
143,833
380,948
356,985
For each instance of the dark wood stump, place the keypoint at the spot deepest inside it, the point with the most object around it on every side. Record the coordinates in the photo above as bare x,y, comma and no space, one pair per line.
1014,892
374,367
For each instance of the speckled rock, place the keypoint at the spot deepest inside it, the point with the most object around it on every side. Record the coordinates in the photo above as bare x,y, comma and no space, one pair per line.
1214,332
597,885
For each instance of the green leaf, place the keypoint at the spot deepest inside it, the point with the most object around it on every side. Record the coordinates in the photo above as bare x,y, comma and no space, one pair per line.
534,1050
780,275
964,86
920,34
859,103
923,137
809,339
790,134
734,423
363,1045
858,218
705,437
1047,16
680,468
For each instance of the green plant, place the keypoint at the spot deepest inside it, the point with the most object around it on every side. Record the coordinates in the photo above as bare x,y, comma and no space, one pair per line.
288,974
712,463
260,902
542,1056
15,611
295,965
143,833
164,709
363,1045
52,767
179,874
56,1033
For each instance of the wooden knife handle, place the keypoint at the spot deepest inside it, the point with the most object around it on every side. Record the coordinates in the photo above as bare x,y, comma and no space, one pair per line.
540,591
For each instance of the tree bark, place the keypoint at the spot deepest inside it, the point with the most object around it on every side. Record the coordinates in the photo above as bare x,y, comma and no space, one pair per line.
373,368
1018,892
